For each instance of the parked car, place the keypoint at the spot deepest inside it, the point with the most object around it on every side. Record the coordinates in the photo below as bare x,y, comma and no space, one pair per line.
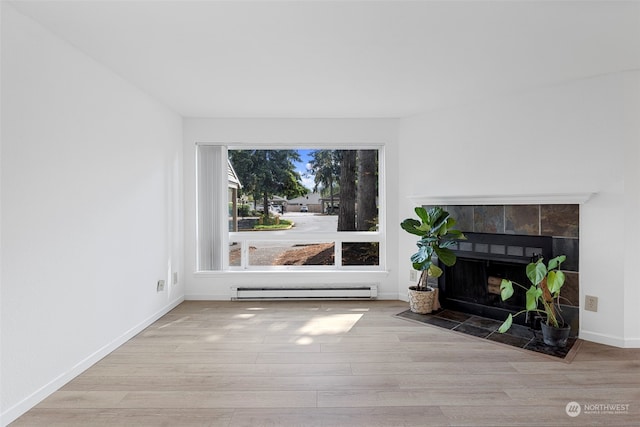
304,208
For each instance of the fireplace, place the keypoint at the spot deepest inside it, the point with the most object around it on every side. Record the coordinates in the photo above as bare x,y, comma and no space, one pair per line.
505,233
472,285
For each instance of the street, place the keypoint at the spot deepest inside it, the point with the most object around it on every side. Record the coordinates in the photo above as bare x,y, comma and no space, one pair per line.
263,253
311,222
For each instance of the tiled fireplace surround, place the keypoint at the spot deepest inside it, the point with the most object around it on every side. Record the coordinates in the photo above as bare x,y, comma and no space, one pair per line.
559,221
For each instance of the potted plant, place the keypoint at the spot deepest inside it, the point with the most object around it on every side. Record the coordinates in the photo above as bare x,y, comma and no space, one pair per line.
434,227
543,298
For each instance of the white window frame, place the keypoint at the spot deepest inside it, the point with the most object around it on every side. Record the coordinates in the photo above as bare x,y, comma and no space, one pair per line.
245,238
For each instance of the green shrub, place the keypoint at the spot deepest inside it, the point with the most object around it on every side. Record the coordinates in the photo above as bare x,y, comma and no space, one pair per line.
244,210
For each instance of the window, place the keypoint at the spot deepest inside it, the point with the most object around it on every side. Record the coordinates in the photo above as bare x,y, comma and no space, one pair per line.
290,208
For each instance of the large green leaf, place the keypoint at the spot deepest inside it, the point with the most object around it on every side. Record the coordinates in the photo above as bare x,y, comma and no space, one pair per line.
421,256
555,280
411,225
536,271
506,325
506,289
447,243
422,214
555,262
425,228
439,227
435,271
455,234
445,255
532,297
434,213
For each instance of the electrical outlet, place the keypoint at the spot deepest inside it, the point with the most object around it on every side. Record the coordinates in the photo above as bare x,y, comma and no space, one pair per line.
174,280
413,275
160,286
590,303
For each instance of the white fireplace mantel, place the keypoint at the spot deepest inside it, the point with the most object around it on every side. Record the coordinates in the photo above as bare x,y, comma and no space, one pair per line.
503,199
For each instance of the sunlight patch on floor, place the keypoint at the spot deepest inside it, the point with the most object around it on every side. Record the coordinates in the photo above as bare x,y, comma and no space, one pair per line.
330,324
175,322
278,326
304,341
244,316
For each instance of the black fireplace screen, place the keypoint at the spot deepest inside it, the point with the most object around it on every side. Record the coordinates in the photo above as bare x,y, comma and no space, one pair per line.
472,285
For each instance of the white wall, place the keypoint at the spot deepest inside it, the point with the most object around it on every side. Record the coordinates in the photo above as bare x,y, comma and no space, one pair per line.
1,109
632,217
91,212
571,138
255,132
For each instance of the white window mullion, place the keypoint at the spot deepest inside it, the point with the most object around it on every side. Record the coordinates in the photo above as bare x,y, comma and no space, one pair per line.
337,253
244,255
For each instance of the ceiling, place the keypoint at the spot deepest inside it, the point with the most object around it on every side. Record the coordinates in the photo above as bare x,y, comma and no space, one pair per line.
338,59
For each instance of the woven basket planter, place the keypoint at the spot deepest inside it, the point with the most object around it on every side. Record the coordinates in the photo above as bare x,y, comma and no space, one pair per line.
423,302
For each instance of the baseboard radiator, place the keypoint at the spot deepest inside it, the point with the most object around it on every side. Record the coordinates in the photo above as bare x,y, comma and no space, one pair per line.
332,292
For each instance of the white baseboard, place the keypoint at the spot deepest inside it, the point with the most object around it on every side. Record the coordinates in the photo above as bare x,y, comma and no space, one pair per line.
227,297
387,296
12,413
208,297
602,338
632,343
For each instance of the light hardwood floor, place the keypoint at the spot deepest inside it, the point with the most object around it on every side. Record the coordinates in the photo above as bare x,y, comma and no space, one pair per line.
335,363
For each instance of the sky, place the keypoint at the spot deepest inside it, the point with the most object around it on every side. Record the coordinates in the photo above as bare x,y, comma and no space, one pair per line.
301,167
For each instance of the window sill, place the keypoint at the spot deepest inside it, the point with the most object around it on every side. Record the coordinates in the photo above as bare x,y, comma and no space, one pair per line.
315,273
